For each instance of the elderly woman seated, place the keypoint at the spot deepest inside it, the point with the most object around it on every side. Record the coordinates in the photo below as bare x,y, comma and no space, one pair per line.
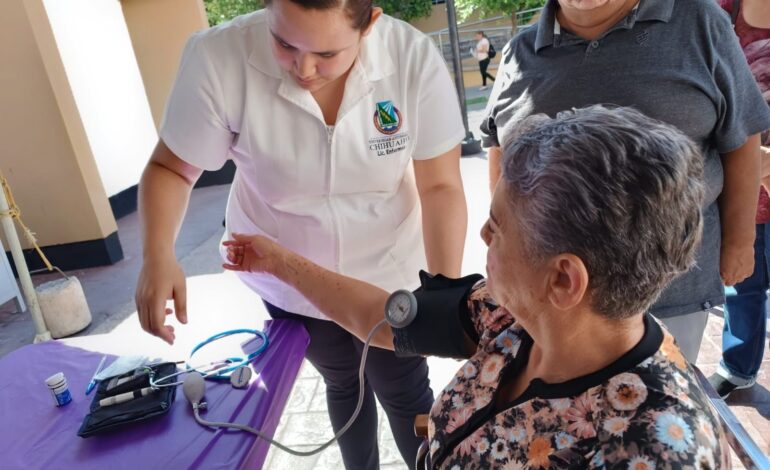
597,211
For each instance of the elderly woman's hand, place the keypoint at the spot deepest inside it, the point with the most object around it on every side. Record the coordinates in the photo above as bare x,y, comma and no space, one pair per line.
253,253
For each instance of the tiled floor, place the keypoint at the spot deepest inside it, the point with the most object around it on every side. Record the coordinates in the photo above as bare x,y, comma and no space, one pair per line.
305,421
214,296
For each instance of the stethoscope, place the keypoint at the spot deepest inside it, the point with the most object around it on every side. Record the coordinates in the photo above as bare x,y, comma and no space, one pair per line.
400,312
217,370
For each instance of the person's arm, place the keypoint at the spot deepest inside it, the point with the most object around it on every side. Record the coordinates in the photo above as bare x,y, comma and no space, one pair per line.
451,312
444,211
164,192
494,157
738,208
756,13
354,305
765,175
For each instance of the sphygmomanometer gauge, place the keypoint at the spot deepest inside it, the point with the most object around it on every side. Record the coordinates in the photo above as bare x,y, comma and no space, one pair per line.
401,308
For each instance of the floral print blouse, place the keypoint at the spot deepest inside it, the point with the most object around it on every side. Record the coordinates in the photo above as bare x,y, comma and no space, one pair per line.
644,411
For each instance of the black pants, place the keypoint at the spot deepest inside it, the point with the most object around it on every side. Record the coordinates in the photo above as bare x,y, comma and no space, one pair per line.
483,66
401,385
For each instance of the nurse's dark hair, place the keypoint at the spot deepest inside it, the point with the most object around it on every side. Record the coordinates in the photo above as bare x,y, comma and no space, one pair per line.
359,11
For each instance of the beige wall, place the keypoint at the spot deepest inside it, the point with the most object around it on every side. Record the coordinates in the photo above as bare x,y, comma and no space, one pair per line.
437,20
159,30
44,151
95,47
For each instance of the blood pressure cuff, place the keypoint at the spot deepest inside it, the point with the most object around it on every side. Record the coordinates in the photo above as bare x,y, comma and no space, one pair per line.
108,418
442,322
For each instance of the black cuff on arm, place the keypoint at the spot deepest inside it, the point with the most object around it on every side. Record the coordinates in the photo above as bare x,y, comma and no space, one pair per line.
442,321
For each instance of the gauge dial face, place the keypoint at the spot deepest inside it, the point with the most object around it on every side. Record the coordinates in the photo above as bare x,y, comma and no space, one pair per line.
401,308
240,377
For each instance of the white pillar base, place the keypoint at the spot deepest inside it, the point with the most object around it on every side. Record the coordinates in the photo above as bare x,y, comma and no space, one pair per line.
64,306
43,337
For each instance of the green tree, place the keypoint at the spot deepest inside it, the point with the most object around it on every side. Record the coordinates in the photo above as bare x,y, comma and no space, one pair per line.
487,8
220,11
406,10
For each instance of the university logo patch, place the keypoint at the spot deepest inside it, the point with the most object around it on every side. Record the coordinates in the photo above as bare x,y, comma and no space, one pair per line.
387,118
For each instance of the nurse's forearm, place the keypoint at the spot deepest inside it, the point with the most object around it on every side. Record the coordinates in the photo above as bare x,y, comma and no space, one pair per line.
445,223
163,199
354,305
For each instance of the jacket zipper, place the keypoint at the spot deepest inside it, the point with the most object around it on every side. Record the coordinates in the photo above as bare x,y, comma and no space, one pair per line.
335,224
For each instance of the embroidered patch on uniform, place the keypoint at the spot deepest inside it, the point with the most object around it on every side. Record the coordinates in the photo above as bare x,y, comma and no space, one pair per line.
387,118
389,121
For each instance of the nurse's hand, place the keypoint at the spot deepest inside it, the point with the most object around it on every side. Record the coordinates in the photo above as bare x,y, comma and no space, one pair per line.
254,253
161,280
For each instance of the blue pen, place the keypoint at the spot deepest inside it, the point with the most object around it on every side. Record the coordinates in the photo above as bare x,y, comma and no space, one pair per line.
92,383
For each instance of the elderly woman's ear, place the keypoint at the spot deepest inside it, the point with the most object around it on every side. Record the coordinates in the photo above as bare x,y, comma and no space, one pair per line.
567,282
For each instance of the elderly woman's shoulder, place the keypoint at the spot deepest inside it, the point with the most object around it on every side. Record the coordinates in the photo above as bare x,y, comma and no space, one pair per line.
656,408
487,316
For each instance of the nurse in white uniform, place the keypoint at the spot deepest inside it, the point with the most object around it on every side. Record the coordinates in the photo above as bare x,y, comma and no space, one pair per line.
345,130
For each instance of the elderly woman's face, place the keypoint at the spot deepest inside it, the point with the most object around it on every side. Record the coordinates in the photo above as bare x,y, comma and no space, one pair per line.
512,279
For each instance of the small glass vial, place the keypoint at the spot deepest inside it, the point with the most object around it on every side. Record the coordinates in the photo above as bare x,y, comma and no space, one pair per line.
58,386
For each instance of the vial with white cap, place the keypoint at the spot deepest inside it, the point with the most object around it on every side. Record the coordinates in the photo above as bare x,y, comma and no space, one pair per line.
57,383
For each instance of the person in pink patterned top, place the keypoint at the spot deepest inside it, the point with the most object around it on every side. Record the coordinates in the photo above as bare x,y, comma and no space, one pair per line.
597,210
743,337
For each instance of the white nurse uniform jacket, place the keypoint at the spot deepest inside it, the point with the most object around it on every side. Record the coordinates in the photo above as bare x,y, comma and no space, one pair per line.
343,196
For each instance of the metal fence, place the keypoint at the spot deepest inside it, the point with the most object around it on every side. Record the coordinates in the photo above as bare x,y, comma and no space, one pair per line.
497,35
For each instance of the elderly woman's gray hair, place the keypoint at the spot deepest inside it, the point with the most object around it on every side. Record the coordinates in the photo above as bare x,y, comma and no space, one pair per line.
619,190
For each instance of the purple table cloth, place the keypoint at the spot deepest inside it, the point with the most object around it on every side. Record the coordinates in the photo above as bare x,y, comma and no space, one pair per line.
36,434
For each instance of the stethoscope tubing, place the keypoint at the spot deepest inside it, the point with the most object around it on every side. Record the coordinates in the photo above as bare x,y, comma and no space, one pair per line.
227,365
